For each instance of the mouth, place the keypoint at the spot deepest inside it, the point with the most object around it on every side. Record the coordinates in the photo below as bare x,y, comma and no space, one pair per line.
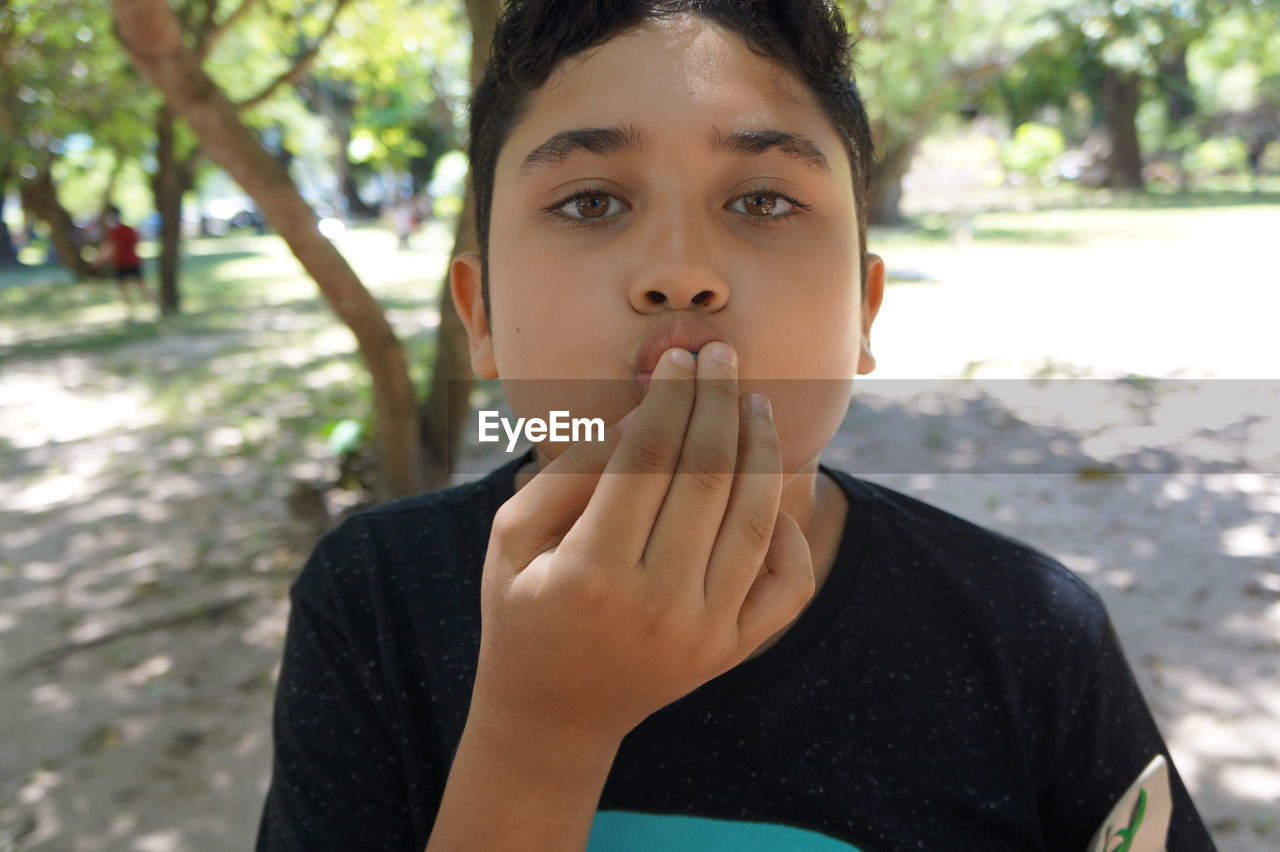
643,379
645,376
688,333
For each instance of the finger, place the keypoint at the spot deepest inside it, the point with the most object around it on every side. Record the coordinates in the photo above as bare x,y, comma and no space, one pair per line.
685,531
748,527
537,516
619,518
784,585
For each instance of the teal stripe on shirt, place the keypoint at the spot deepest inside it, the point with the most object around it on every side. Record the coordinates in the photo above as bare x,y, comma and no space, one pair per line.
627,831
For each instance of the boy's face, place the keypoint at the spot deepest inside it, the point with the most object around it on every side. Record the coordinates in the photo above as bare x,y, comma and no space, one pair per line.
674,230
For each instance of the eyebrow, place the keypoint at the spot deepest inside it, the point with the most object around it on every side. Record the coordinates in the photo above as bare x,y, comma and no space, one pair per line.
627,138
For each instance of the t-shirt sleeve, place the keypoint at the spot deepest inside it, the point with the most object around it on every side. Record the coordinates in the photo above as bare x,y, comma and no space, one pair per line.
337,781
1107,738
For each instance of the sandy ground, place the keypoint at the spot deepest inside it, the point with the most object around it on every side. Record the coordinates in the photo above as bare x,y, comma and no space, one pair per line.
144,569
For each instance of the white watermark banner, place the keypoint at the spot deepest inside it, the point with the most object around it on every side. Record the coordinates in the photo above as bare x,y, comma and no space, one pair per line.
1090,427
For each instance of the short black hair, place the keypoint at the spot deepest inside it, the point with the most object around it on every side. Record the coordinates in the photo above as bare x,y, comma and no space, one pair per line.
532,38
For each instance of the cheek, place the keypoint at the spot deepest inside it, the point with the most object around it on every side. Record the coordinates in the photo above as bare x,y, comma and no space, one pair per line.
807,414
810,295
806,337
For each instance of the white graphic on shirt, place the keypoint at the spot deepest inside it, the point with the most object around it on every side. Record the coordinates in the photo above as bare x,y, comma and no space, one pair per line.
1139,822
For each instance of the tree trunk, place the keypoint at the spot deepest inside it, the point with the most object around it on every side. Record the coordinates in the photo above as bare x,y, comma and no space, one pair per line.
445,409
1120,96
341,118
40,196
8,251
332,101
168,187
1180,100
356,206
113,180
150,33
884,203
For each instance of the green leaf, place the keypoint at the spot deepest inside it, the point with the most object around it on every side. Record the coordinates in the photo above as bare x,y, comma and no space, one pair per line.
345,437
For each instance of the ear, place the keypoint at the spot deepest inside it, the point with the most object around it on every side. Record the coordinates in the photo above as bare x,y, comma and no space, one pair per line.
468,301
871,307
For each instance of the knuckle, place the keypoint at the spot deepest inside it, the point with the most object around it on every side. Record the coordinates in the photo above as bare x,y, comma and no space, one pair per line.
591,591
707,467
757,529
725,391
769,438
803,585
575,461
650,452
506,523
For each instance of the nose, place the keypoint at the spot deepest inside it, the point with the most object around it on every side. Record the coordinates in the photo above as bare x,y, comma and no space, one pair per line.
676,272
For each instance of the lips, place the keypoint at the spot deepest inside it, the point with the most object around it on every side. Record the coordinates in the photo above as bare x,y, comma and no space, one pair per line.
685,333
688,334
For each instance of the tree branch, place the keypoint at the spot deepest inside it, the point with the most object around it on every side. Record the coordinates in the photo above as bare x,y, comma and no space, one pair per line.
216,31
300,64
210,12
150,32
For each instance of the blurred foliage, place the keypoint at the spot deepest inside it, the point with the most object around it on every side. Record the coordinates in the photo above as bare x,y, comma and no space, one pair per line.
69,99
1203,68
1033,151
1216,157
381,109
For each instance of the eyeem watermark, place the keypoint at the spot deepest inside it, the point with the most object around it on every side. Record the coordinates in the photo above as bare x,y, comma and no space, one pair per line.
537,430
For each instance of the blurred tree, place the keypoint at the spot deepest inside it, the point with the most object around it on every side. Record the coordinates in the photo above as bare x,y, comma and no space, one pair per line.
446,406
256,29
1235,71
154,37
62,80
1118,53
389,89
919,59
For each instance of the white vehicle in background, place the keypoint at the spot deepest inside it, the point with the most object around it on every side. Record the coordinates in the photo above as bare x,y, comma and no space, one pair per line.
223,215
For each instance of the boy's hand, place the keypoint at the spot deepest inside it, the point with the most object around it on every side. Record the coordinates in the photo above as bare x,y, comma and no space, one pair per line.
604,599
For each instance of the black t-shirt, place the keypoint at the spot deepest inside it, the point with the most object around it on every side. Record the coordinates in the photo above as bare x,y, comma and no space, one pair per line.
948,688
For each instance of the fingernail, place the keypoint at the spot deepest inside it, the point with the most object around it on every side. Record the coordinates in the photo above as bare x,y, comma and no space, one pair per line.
683,357
760,404
722,352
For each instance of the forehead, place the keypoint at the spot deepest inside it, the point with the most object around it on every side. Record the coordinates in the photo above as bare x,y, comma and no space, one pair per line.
679,81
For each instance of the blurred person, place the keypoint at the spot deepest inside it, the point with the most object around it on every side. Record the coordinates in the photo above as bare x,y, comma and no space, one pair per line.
118,252
405,215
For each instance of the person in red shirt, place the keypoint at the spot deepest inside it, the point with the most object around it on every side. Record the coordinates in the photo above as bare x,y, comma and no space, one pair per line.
119,252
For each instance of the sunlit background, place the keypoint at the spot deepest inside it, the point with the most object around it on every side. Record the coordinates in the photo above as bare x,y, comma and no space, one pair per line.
1067,191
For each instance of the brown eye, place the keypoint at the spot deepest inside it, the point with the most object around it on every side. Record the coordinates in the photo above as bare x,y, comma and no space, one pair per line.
767,208
760,203
588,207
592,206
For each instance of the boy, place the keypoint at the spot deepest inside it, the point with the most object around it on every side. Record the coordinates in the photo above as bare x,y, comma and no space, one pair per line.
119,251
558,657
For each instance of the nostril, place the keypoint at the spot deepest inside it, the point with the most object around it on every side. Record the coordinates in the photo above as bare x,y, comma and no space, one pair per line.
657,297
